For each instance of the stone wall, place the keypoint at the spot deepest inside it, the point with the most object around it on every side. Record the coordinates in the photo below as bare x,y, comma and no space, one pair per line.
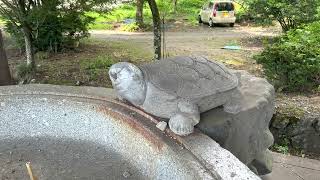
295,130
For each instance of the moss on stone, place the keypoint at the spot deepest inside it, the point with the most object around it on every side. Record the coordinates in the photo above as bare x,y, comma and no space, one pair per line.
288,115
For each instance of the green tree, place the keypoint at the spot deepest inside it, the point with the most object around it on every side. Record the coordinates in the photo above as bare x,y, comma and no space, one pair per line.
17,13
289,13
47,24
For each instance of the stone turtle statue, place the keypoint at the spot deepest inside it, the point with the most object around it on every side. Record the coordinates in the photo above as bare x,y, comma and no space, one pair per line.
177,88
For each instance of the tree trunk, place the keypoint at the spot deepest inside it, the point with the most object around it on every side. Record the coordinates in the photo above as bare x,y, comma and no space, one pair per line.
29,47
156,28
175,5
5,77
139,13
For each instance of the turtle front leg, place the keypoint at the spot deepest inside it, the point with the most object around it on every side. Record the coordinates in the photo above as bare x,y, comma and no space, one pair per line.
187,116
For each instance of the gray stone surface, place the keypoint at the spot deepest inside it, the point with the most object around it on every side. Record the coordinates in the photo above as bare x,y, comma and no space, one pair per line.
162,125
81,133
246,134
293,168
307,134
177,88
217,159
303,132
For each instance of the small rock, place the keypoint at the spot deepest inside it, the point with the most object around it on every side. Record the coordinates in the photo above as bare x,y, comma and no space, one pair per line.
162,125
126,174
33,81
2,104
78,83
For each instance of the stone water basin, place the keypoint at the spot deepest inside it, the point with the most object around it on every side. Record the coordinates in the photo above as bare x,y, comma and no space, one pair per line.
68,134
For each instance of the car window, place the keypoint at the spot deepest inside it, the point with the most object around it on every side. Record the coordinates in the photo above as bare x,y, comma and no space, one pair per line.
224,7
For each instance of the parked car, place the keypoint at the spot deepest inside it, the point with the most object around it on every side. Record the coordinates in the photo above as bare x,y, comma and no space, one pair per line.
218,12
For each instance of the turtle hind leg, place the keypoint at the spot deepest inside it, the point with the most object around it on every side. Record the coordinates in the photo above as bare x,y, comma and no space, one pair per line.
187,116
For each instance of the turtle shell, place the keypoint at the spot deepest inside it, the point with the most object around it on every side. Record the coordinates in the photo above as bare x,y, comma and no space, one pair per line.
189,77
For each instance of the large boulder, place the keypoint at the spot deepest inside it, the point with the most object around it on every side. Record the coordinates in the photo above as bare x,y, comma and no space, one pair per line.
245,134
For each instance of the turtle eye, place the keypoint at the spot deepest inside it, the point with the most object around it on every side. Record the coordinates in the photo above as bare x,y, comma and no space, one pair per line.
114,75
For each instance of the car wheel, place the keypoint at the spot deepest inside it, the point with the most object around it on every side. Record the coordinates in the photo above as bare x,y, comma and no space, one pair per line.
199,19
231,24
211,24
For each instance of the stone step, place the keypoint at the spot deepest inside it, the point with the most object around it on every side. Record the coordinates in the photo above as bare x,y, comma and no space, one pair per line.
293,168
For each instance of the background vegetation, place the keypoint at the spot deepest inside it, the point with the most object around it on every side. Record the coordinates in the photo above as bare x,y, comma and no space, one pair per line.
292,63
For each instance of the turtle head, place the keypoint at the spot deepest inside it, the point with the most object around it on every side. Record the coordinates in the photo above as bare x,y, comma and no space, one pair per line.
127,79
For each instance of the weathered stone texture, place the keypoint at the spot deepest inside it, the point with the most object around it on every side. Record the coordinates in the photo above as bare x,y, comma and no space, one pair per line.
246,134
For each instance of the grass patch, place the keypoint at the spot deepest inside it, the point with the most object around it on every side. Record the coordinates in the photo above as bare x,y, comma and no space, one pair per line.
284,149
96,67
133,52
130,27
118,15
89,64
101,26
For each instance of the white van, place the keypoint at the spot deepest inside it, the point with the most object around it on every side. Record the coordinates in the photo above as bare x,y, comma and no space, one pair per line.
218,12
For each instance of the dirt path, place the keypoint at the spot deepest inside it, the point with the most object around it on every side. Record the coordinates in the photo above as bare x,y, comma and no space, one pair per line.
202,41
208,42
201,32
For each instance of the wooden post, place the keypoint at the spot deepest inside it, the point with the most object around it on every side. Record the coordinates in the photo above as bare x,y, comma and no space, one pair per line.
5,77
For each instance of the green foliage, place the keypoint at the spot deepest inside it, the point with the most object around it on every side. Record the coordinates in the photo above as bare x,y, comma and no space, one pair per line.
290,14
132,27
55,24
24,72
15,34
42,55
283,145
165,7
118,14
190,6
100,62
242,12
2,21
284,149
188,9
292,63
101,26
97,66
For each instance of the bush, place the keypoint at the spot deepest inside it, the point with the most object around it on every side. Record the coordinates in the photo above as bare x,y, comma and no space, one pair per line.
132,27
242,13
292,63
55,25
290,14
190,6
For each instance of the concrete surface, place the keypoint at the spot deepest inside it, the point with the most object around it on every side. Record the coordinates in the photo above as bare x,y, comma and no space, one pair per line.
293,168
82,133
